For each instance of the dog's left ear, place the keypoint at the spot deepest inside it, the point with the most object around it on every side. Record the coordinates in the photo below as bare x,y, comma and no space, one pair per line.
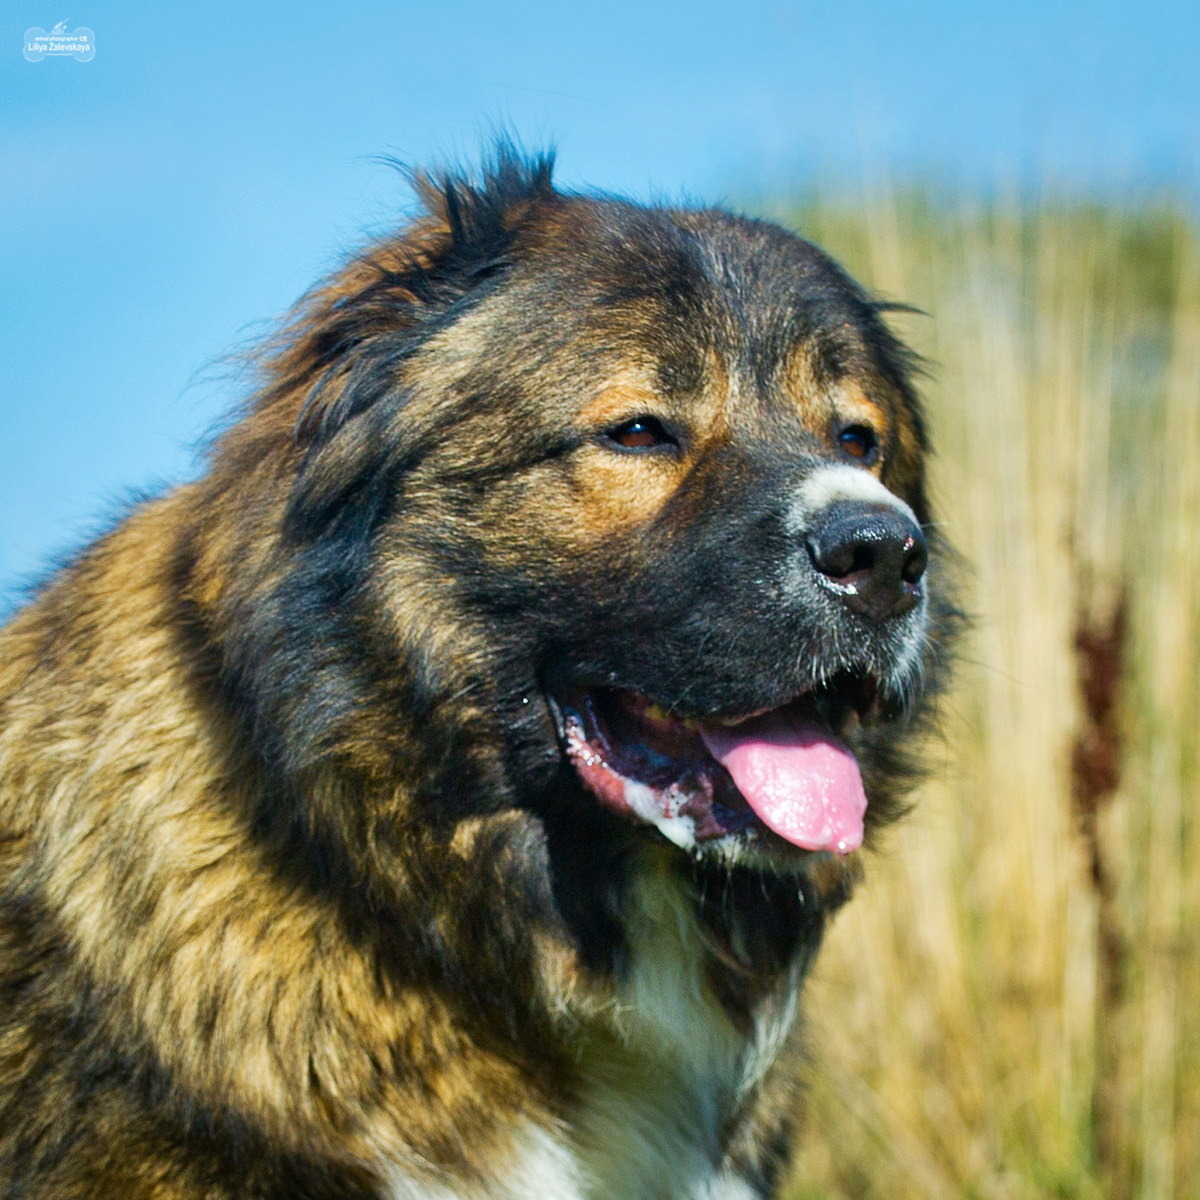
345,349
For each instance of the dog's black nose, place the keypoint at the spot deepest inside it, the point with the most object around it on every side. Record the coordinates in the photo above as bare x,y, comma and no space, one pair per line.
874,555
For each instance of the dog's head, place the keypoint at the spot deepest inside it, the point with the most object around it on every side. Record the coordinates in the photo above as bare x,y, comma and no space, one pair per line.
633,496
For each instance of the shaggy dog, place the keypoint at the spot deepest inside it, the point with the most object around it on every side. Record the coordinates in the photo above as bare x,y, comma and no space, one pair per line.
445,795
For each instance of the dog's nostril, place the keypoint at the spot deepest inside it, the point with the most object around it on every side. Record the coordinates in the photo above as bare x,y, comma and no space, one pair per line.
840,559
874,555
916,559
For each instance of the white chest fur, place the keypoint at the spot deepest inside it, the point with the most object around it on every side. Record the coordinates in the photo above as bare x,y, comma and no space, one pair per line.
670,1068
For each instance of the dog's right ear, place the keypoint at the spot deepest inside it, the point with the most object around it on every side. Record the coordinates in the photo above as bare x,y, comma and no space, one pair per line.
339,362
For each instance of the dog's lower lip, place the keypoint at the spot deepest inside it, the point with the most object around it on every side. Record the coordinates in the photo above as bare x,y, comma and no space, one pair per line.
643,761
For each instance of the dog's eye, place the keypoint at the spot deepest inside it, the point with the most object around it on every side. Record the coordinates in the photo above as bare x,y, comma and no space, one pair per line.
859,442
642,433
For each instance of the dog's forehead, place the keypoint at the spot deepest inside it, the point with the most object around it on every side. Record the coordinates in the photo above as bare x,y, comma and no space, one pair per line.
697,300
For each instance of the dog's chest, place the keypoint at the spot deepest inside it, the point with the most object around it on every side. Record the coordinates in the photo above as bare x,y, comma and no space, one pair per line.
668,1069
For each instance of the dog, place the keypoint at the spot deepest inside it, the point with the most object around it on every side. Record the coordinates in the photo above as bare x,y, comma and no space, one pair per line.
445,795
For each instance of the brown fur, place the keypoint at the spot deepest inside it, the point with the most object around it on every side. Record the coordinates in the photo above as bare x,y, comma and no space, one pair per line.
305,905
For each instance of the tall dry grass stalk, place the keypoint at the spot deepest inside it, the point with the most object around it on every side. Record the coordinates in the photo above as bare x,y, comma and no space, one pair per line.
1011,1006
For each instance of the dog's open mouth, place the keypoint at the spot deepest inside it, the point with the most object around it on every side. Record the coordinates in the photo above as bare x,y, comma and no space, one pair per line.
698,780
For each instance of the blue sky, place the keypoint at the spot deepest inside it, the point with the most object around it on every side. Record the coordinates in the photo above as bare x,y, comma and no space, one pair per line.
163,201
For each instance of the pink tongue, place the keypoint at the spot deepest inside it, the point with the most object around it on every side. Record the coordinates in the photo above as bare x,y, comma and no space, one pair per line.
801,781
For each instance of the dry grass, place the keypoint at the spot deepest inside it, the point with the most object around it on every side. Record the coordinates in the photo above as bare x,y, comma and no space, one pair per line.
1011,1007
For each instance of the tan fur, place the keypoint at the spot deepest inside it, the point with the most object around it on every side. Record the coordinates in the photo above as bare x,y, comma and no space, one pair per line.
216,920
